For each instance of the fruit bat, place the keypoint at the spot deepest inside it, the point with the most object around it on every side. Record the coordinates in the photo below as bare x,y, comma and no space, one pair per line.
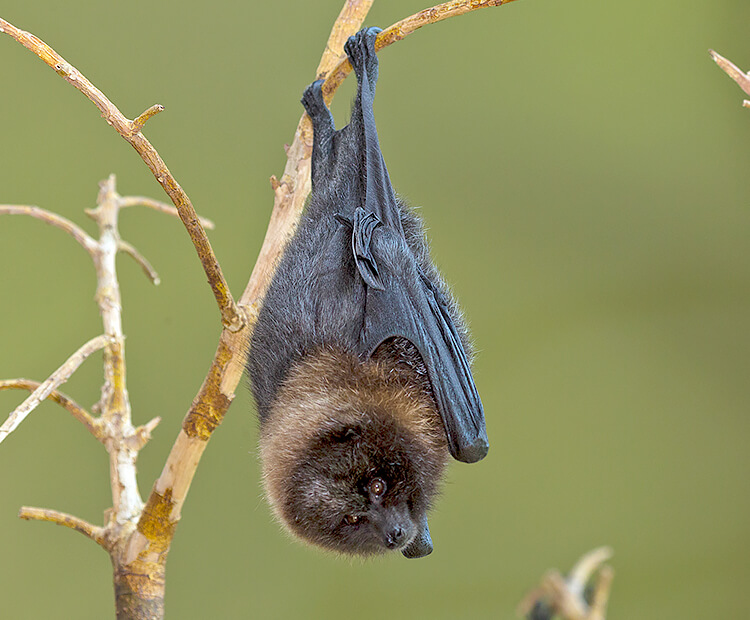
358,360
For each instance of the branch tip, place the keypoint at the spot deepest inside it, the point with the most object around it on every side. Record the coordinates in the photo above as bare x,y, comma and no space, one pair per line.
142,434
733,71
138,123
148,269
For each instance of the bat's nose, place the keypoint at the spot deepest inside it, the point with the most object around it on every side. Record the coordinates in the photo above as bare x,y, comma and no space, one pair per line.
395,537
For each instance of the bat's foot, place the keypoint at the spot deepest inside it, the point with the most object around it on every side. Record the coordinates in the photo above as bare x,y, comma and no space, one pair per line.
360,48
313,102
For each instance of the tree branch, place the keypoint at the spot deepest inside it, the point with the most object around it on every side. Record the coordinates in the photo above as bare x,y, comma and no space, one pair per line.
93,532
131,131
55,220
56,379
78,412
734,72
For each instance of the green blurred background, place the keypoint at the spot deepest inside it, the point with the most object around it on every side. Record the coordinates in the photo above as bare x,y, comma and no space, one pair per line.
583,170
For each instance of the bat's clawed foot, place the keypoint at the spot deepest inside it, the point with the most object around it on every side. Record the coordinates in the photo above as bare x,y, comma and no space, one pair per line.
312,100
360,48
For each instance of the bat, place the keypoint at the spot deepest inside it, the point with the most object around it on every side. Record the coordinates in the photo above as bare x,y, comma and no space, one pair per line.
359,360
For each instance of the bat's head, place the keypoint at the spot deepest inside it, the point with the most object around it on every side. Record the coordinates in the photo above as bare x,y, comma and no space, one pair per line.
352,455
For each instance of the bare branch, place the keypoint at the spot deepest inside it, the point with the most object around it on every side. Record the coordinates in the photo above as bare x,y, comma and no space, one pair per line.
55,220
93,532
148,269
230,317
78,412
56,379
157,205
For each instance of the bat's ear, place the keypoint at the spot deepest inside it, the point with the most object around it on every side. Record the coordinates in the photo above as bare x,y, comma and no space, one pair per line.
421,545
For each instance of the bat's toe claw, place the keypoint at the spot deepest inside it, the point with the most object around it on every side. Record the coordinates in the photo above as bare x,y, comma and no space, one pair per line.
312,98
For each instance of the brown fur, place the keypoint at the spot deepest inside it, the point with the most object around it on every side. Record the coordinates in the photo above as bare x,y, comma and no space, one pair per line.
313,466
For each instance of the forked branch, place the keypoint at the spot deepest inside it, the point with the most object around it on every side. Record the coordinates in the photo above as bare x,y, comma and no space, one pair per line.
67,403
131,131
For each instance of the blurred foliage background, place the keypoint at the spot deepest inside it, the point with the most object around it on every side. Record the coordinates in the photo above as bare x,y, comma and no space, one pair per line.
582,168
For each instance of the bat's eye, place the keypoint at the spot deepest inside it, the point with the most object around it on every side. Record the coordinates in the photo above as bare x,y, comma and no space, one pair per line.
377,486
352,519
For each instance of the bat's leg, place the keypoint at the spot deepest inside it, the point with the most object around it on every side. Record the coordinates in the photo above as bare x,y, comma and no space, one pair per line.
379,197
323,128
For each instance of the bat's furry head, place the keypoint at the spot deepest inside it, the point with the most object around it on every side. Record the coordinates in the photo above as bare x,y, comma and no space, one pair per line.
352,453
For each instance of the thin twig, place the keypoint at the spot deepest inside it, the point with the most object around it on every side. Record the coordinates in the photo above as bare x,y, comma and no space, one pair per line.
56,379
157,205
93,532
55,220
734,72
143,434
230,316
78,412
139,122
557,596
148,269
586,566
